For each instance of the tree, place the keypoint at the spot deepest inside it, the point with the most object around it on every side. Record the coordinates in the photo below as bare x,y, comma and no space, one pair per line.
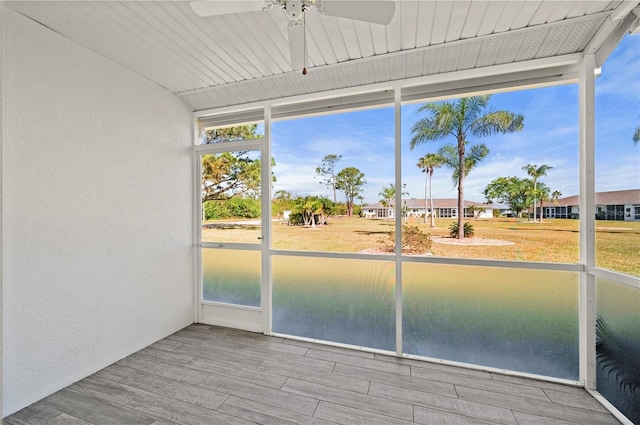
474,155
555,195
230,134
313,209
388,194
465,118
230,174
535,173
350,181
327,170
283,194
282,201
513,191
636,136
428,164
476,211
543,193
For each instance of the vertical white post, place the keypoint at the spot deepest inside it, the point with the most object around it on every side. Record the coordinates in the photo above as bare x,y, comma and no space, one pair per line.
198,217
587,315
265,178
397,95
1,78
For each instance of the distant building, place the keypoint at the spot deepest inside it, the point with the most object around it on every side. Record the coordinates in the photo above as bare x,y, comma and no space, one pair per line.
416,208
622,205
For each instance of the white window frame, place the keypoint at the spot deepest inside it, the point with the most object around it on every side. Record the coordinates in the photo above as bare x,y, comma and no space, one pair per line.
571,69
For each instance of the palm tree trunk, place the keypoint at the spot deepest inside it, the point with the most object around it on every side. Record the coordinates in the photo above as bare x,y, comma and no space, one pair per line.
535,195
426,183
433,217
460,188
460,210
333,184
541,209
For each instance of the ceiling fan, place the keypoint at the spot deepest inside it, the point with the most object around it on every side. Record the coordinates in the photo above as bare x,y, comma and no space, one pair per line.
374,11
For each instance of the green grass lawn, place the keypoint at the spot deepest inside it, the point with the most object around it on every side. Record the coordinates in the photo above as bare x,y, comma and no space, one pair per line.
554,240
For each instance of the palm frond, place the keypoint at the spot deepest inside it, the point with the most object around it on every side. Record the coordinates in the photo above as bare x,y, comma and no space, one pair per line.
618,357
497,122
472,157
438,123
471,109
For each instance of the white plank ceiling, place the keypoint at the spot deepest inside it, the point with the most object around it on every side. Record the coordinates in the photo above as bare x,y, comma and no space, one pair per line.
228,60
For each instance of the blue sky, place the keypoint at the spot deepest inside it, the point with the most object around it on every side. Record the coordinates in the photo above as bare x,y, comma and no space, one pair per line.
365,139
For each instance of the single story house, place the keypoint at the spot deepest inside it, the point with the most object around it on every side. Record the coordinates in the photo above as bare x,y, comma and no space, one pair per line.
444,207
621,205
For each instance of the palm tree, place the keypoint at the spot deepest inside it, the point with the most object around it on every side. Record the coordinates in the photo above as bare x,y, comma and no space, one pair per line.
544,193
555,195
474,155
388,194
535,173
428,164
464,118
310,207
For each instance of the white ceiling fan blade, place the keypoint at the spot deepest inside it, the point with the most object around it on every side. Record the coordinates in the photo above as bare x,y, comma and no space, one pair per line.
375,11
297,48
224,7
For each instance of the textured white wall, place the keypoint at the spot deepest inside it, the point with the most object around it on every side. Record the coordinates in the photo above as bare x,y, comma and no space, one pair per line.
96,223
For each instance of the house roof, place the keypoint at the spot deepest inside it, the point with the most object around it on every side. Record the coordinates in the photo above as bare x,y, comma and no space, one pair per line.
617,197
437,203
228,60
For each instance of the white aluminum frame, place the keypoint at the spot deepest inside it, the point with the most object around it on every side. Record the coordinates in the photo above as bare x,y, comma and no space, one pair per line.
570,69
397,97
224,314
587,306
265,187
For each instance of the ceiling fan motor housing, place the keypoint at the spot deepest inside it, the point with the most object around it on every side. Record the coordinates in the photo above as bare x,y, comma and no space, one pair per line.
294,9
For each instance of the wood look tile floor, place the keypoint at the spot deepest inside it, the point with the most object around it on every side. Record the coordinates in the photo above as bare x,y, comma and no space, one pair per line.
211,375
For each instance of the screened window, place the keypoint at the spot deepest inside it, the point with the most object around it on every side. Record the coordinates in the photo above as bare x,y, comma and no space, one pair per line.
617,159
519,181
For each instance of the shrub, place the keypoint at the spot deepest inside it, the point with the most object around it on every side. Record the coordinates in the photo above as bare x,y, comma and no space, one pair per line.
214,210
232,208
243,207
467,229
295,219
496,213
279,206
340,209
414,241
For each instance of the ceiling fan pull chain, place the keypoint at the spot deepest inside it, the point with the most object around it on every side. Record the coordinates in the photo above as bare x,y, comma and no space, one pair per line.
304,64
